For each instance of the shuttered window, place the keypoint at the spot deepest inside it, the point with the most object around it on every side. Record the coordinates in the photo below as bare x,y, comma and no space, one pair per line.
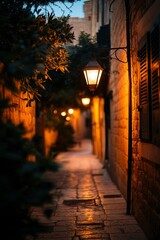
145,117
155,84
149,57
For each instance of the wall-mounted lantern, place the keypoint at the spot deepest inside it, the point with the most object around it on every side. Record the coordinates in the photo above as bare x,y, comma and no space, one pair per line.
92,73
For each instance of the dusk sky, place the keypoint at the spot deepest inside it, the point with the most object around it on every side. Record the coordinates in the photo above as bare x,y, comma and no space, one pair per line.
75,10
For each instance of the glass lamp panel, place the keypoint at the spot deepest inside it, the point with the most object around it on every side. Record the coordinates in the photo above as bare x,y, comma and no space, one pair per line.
92,76
85,74
99,76
92,73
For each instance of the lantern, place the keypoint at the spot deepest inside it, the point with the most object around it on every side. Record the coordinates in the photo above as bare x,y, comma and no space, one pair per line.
92,73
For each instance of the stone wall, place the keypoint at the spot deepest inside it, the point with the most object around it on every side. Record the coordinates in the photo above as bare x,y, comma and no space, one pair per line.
79,25
146,161
145,197
118,84
18,112
82,24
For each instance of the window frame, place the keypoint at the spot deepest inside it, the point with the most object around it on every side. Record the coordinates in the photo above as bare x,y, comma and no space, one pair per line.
149,86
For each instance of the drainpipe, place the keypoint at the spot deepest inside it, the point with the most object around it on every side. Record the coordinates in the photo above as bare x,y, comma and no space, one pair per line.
129,177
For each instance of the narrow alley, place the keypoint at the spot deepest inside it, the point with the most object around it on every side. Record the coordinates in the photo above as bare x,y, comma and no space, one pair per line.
87,204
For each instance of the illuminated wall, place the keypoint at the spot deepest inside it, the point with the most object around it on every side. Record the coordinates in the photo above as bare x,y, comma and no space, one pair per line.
145,57
98,128
19,113
50,137
118,84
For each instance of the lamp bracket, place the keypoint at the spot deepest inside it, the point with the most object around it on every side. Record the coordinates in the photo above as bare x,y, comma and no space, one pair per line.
117,48
116,57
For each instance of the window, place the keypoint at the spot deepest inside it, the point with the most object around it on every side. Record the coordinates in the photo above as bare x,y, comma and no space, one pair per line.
149,57
155,84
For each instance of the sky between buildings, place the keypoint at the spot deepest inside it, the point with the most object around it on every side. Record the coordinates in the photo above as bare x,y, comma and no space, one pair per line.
74,10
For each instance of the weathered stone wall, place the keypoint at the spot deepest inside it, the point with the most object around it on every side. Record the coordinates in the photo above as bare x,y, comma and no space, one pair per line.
118,84
79,25
145,204
82,24
146,196
146,161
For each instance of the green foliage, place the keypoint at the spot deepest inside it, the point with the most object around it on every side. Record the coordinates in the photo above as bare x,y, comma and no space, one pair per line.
84,39
65,138
22,182
54,120
67,89
31,45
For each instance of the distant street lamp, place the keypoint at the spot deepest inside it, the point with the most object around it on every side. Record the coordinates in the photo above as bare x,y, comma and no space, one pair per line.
70,111
85,101
63,114
92,73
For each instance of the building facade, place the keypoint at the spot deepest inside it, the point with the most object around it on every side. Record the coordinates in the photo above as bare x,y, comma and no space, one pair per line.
133,110
82,24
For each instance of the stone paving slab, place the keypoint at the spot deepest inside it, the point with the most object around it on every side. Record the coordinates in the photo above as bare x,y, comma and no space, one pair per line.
86,204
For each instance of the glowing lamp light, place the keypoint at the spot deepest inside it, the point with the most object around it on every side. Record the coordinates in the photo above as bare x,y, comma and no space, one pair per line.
68,118
63,114
85,101
92,73
55,111
70,111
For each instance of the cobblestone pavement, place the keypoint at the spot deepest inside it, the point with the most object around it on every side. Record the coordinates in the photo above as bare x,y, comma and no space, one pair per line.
87,203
